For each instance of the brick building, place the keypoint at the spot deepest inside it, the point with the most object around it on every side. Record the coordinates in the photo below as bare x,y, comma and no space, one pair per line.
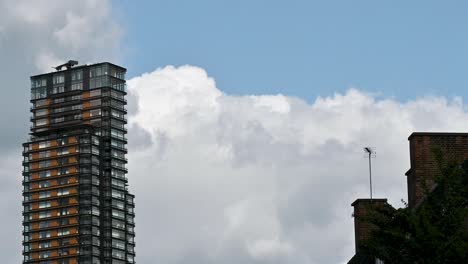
420,176
424,169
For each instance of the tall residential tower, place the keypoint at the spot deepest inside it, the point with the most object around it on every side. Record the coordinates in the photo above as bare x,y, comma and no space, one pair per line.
76,205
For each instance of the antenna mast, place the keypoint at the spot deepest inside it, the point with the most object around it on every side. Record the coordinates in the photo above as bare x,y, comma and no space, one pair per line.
370,154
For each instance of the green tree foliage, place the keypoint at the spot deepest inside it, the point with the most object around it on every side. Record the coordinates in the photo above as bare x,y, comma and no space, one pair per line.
436,231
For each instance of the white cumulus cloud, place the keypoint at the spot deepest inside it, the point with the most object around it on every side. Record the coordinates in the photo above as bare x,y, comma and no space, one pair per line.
262,179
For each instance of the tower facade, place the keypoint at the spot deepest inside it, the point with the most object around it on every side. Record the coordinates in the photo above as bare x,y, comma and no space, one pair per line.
77,208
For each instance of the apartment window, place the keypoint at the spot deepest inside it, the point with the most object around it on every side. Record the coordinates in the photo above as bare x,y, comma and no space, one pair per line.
44,144
62,141
41,112
44,154
39,93
118,244
44,214
77,107
59,119
118,154
117,94
61,192
43,164
63,161
44,224
39,83
95,211
118,124
85,149
63,181
63,252
120,86
59,100
96,83
44,174
45,244
118,194
118,144
117,73
39,103
44,204
62,151
118,174
96,102
95,92
45,194
95,150
44,184
76,97
63,232
58,89
58,110
97,71
44,254
77,75
96,112
63,211
118,213
118,234
95,170
63,201
64,222
118,183
41,122
96,122
117,134
118,164
63,171
118,254
95,140
58,78
117,114
64,242
77,86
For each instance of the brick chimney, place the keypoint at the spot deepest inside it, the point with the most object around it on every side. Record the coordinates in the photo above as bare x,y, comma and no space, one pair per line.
423,171
362,229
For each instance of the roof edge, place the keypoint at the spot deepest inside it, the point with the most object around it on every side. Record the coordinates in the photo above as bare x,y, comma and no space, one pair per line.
437,134
78,67
368,200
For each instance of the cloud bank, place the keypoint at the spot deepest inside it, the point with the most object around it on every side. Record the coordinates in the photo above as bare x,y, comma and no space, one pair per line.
262,179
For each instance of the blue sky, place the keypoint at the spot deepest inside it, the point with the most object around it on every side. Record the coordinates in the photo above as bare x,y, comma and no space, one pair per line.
403,49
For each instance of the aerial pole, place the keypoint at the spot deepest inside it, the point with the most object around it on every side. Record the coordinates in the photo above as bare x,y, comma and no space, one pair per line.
370,154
